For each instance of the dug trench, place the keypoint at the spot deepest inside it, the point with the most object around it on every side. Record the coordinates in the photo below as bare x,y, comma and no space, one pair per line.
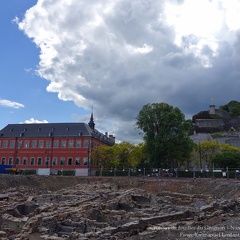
56,207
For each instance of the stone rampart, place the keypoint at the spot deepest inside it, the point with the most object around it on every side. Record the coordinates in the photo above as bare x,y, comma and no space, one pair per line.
232,122
217,125
233,142
209,125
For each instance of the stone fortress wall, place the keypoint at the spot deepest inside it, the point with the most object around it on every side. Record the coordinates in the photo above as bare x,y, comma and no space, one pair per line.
221,124
210,123
204,123
233,142
233,122
227,124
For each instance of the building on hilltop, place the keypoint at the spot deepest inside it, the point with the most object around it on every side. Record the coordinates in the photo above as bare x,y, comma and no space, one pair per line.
49,147
216,120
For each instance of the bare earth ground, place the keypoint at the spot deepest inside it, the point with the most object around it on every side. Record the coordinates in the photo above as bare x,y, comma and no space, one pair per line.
55,207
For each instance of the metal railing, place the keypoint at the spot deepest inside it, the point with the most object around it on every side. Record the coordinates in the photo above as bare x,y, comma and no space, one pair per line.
176,173
225,173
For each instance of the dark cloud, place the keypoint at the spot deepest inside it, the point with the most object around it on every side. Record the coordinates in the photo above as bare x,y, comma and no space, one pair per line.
119,55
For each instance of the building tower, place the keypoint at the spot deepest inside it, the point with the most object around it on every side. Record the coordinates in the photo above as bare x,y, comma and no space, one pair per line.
91,122
212,109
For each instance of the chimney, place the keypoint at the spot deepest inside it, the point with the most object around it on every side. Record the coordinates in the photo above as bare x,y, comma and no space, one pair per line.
212,109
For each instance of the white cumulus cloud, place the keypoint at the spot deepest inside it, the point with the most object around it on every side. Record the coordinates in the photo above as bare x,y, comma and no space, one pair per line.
10,104
32,120
119,55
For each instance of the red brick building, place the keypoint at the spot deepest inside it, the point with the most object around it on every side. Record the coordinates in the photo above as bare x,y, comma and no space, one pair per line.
51,146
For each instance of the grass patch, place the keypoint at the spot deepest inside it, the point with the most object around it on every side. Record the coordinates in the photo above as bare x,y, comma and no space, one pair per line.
216,135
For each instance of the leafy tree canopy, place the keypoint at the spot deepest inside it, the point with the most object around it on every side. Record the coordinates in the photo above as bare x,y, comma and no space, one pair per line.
230,159
233,107
165,132
104,156
123,155
227,148
206,150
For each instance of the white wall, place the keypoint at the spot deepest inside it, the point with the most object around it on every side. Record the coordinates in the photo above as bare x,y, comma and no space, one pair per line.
43,171
81,172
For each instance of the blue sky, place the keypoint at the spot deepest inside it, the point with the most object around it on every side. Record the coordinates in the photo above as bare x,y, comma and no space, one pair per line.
60,58
19,83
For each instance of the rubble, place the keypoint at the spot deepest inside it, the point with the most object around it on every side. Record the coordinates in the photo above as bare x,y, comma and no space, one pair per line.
4,197
115,209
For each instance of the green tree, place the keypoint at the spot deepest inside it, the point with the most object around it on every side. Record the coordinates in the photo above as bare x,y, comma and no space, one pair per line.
228,156
104,157
129,155
235,111
206,151
229,159
140,156
124,155
165,132
228,148
233,107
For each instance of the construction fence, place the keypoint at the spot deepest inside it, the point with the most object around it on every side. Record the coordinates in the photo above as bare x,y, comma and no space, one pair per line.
227,173
148,172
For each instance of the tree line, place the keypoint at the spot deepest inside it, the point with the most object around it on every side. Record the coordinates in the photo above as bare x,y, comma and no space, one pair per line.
166,143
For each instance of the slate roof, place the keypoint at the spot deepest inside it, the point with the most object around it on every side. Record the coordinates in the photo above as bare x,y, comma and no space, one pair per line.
41,130
46,130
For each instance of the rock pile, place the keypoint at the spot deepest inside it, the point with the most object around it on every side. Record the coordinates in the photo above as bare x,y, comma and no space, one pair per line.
105,211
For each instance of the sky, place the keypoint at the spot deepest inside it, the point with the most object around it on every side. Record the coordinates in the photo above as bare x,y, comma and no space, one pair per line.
62,59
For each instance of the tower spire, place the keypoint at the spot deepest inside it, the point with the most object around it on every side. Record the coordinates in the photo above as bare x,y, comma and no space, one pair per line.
91,122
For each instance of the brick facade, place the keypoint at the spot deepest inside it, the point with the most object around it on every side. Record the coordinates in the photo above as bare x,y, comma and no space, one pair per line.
50,145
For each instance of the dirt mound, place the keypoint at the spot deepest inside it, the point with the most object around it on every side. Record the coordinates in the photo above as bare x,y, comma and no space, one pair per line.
216,188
